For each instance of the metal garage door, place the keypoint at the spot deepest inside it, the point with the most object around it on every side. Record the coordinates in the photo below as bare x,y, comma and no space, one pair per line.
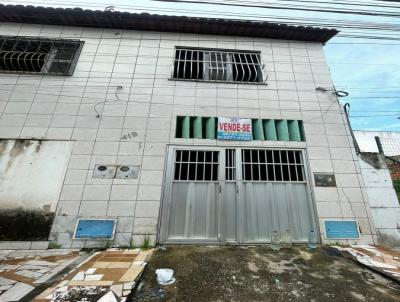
234,195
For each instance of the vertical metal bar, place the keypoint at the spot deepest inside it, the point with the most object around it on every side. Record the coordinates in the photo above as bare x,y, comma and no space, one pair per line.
281,164
247,66
266,165
241,64
195,169
184,64
273,164
191,64
251,165
178,63
180,164
252,64
259,165
223,57
234,63
295,165
288,164
198,63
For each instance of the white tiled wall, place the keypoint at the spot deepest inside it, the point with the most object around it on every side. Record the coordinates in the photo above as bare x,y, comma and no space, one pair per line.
62,108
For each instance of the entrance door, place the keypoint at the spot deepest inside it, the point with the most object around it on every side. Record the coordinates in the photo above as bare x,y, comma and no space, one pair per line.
275,194
191,206
234,195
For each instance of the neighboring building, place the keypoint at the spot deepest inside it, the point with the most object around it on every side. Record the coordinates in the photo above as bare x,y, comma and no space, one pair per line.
134,113
367,143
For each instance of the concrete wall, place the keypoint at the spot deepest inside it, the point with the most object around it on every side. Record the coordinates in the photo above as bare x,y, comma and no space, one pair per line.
383,202
32,173
56,107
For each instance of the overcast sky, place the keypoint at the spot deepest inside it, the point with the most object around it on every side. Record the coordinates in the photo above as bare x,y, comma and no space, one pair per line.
370,73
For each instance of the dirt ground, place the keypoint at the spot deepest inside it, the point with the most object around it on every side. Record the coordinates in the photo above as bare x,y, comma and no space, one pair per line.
260,274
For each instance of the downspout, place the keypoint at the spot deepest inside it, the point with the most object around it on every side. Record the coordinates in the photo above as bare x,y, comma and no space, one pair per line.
346,108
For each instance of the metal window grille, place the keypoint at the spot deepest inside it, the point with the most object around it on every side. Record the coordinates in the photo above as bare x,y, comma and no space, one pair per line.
217,65
272,165
38,55
230,164
192,165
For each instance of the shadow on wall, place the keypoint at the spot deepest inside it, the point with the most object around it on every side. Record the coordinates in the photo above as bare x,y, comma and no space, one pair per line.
24,225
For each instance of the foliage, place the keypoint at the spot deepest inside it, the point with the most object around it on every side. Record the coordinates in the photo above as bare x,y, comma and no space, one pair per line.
146,243
54,245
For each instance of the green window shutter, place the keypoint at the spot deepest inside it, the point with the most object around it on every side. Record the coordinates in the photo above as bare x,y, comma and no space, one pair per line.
294,131
282,130
210,128
186,127
270,130
197,128
258,133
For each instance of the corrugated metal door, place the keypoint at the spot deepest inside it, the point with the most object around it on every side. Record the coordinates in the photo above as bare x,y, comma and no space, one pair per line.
191,206
234,195
275,194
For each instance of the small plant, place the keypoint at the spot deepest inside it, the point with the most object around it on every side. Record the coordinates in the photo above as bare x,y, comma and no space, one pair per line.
54,245
146,242
107,244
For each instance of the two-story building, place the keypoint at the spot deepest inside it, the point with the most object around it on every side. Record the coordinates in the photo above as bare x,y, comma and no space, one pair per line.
181,129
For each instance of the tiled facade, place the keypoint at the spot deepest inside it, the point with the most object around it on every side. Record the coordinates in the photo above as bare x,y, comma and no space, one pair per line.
62,108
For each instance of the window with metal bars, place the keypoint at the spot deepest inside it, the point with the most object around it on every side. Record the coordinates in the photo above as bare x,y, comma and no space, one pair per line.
272,165
217,65
38,55
230,164
192,165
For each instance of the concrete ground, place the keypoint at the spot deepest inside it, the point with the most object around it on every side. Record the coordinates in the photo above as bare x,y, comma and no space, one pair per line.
260,274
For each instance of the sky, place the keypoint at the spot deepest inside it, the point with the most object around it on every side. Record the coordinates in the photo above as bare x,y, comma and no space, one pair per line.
364,68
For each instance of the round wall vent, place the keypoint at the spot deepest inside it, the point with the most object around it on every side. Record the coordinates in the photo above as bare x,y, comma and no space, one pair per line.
101,168
124,168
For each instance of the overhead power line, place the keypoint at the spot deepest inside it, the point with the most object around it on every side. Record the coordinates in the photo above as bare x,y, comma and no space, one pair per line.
293,8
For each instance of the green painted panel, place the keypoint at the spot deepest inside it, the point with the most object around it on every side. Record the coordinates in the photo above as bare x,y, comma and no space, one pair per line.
258,133
210,128
186,127
282,130
294,131
270,130
197,127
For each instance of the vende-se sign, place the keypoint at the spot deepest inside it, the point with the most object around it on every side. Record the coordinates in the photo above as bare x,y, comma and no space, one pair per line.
232,128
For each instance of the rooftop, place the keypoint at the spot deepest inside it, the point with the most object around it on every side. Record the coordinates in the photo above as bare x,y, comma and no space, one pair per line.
164,23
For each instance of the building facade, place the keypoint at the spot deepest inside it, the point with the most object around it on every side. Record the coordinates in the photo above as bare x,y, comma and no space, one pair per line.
182,130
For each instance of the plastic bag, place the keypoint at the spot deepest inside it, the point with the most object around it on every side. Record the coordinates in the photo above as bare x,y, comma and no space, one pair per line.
165,276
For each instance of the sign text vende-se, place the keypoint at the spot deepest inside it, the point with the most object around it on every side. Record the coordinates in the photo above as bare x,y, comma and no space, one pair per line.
232,128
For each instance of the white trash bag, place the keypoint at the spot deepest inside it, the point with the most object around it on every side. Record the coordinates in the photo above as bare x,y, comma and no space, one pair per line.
165,276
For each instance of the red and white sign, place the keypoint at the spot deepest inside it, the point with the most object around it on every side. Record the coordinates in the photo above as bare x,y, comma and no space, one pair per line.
232,128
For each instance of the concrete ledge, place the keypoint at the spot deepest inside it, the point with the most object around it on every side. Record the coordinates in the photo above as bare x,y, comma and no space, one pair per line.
24,245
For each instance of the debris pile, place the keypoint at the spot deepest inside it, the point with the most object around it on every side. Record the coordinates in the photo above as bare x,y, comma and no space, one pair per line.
106,276
377,258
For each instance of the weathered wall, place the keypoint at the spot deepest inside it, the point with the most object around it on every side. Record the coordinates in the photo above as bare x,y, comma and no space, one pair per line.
56,107
385,207
32,173
31,176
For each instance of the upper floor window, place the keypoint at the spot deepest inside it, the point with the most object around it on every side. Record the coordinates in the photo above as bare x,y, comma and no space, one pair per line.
217,65
38,55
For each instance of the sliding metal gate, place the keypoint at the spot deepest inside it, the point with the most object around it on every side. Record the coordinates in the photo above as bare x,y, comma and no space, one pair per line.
234,195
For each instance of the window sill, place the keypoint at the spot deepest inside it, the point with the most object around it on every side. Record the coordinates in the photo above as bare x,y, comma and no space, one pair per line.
219,82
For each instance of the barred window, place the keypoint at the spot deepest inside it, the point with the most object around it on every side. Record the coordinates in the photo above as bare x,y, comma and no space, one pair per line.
38,55
272,165
191,165
217,65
